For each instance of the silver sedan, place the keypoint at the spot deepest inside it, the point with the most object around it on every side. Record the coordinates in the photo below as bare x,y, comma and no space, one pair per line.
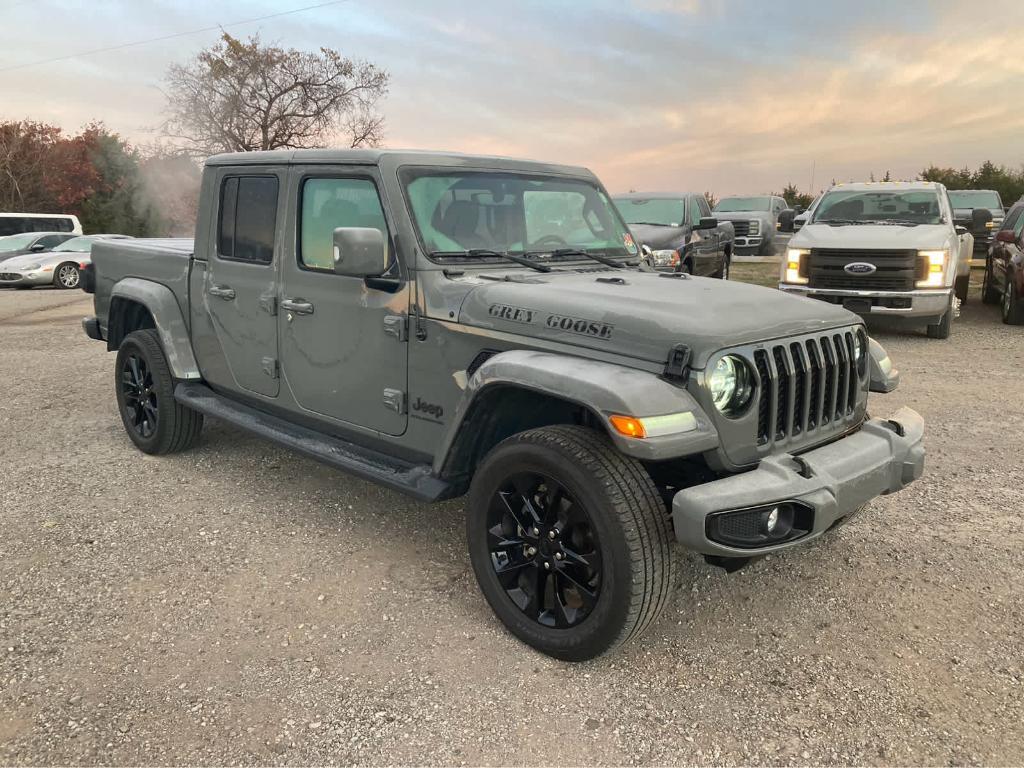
60,267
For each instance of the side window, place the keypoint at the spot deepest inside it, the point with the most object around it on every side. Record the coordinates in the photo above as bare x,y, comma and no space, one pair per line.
328,204
248,218
49,241
1018,225
695,212
705,209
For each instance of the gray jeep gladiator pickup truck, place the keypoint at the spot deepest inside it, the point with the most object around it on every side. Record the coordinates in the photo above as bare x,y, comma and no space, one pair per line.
444,325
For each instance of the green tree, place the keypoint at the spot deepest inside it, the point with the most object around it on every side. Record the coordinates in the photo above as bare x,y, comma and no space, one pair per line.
118,204
794,197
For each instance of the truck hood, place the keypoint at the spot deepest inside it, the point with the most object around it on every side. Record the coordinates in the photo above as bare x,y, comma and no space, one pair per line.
887,236
643,314
656,237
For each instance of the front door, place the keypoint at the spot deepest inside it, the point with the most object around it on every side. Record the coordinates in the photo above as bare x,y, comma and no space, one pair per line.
703,242
343,343
239,285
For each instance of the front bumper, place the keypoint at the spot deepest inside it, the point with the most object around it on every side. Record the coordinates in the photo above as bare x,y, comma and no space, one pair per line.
920,303
16,279
832,481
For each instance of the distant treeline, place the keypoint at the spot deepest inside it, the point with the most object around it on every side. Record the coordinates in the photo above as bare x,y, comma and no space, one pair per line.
1006,181
110,185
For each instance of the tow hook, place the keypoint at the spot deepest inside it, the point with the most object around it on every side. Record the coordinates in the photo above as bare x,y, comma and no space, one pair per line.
728,564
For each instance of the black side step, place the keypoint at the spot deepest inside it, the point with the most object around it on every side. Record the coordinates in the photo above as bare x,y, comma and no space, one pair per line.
365,463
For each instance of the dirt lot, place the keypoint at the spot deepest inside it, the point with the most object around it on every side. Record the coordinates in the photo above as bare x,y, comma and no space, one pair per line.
240,604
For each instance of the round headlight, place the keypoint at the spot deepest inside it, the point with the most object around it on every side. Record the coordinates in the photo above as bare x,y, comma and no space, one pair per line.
858,347
730,385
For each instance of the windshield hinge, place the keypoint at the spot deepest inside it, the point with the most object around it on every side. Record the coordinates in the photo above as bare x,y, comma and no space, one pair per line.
678,364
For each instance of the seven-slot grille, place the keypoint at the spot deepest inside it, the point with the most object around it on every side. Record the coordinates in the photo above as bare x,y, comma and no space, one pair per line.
741,228
807,388
895,270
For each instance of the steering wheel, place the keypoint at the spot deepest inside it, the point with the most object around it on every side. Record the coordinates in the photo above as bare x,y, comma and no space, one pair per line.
554,240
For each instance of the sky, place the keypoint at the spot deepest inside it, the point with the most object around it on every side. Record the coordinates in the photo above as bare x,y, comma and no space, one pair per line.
733,96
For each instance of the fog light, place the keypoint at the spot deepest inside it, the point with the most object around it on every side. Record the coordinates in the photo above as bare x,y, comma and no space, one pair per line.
772,521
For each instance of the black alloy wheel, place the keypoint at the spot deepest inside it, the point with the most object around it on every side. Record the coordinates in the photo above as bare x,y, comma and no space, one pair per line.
544,550
139,396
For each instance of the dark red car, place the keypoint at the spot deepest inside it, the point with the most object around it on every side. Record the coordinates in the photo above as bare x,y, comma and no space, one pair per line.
1004,270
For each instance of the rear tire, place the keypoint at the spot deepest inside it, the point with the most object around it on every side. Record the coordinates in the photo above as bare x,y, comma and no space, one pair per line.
156,422
568,487
723,271
67,276
989,294
1013,305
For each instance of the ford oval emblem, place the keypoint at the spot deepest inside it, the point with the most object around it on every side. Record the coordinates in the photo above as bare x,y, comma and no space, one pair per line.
860,268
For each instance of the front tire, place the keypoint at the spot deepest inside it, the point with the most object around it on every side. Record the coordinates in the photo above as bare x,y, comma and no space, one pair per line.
944,326
66,276
1012,305
153,419
989,293
570,541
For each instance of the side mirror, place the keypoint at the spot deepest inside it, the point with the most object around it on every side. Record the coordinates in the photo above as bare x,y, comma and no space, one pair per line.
707,222
960,230
1005,236
38,247
360,252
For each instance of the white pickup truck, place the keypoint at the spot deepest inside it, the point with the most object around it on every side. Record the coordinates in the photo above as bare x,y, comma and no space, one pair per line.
884,249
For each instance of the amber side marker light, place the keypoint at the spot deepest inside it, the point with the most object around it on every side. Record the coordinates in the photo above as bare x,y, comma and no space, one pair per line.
653,426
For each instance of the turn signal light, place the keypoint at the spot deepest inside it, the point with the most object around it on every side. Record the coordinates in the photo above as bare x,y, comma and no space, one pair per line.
628,426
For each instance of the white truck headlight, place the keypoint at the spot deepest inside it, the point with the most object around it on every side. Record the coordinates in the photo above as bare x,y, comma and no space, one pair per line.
667,258
731,385
795,271
935,268
755,227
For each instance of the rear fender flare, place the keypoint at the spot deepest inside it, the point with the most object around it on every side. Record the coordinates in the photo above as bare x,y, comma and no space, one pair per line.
602,388
170,324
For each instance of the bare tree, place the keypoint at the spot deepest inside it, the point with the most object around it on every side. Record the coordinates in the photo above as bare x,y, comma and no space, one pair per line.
242,96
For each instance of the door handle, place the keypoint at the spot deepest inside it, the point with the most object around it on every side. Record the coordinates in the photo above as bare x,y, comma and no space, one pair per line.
222,292
298,306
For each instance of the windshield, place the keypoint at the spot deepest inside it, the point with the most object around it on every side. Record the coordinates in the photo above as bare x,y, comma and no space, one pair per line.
457,211
975,199
664,212
77,244
730,204
911,206
16,242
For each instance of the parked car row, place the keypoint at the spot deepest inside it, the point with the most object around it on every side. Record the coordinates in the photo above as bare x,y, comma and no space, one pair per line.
46,258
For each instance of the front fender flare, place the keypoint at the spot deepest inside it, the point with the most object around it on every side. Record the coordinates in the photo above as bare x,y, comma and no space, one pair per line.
603,388
170,324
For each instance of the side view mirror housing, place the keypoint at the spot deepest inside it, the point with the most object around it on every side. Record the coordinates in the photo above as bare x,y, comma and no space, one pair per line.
707,222
360,252
1005,236
38,247
960,229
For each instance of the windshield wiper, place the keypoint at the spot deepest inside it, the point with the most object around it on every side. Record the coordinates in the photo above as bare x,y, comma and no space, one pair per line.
899,222
584,252
651,223
473,253
833,222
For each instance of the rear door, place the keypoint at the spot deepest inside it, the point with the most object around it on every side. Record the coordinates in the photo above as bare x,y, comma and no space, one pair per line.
1003,252
344,351
239,286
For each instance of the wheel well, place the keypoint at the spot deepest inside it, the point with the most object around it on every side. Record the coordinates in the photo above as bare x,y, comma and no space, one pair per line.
125,317
500,411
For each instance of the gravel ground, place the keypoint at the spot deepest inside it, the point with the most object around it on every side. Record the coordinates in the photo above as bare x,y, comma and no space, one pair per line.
241,604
